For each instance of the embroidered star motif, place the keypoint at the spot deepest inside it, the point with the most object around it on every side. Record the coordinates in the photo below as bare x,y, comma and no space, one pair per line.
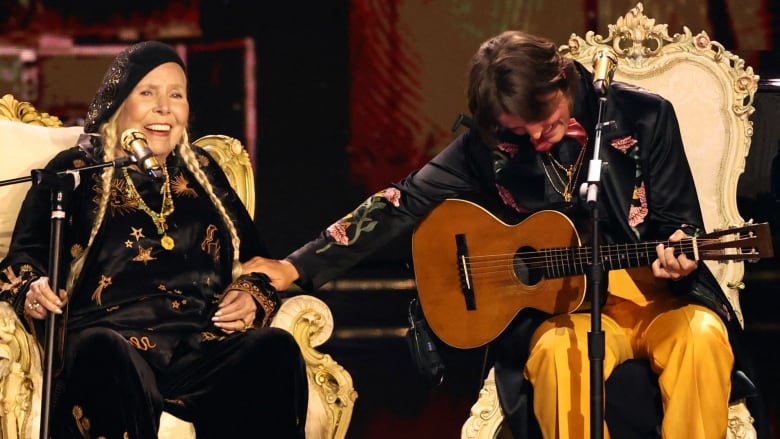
129,244
175,304
144,255
137,233
97,295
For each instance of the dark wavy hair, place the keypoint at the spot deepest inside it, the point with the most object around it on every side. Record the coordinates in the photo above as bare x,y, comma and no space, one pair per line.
512,73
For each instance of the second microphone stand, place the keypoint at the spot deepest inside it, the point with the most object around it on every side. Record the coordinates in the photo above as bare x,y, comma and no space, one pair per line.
596,348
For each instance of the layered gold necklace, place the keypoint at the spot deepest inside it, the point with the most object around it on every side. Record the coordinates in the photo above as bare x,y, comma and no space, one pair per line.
566,176
167,208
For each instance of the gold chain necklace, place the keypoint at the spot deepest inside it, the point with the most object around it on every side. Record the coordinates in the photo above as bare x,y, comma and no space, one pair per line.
166,209
566,175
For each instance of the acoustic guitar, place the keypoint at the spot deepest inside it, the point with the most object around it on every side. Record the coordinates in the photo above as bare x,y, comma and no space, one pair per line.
475,273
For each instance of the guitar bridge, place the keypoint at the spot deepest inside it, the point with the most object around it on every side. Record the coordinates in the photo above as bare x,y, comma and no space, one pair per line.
464,271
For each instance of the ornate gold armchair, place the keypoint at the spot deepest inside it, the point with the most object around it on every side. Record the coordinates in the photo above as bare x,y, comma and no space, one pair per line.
32,138
712,91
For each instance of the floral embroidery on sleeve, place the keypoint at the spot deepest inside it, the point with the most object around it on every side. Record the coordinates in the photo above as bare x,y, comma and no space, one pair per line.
347,230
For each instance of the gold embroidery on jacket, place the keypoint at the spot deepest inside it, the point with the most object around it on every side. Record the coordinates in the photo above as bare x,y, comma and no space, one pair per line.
210,336
181,187
210,243
82,422
15,280
97,295
118,200
76,250
144,255
137,233
142,343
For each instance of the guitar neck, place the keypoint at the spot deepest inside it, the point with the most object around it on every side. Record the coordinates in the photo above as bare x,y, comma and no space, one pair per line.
570,261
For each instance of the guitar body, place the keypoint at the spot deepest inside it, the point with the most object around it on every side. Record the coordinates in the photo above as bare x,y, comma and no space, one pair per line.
475,272
499,278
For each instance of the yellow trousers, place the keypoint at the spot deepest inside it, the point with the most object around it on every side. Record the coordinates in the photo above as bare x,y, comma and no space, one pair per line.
686,343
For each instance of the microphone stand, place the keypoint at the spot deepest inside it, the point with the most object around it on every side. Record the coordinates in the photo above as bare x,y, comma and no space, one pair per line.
60,184
589,191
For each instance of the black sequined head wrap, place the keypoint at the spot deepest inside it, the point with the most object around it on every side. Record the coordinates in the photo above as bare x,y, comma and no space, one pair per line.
127,69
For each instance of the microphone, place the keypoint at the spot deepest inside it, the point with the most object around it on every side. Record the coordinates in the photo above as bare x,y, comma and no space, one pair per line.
134,143
604,61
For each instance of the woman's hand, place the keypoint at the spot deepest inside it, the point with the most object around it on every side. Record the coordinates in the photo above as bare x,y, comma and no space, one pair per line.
40,299
281,272
236,312
669,266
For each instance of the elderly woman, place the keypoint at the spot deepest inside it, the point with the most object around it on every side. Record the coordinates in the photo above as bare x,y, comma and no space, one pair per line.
156,312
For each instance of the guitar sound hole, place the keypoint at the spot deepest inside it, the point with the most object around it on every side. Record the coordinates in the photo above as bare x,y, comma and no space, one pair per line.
524,267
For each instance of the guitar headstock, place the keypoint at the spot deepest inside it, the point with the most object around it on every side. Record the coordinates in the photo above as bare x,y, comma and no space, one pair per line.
749,242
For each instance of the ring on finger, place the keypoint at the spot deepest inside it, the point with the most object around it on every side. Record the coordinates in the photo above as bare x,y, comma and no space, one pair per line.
33,305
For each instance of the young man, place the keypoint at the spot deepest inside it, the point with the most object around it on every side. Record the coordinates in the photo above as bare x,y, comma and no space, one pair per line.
534,115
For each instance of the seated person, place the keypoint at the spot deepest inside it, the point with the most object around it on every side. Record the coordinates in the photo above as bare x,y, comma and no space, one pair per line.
534,114
157,312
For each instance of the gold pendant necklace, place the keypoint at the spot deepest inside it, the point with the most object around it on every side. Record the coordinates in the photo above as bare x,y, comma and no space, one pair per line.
566,175
167,207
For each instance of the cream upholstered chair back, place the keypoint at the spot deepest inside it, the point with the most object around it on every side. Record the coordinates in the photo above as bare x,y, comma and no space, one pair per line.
34,138
712,92
30,148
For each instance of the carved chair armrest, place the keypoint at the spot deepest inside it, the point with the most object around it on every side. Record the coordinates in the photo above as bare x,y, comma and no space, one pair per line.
21,377
331,394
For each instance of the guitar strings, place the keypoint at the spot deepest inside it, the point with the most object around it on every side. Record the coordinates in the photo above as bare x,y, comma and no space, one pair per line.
578,256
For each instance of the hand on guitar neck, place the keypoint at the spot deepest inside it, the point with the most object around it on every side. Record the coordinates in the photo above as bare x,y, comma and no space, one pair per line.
670,262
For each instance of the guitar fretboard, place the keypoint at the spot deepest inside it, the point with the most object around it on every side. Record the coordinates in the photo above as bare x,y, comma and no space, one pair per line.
562,262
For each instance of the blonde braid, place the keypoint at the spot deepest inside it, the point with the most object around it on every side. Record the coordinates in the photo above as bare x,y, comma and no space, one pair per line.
191,160
109,153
